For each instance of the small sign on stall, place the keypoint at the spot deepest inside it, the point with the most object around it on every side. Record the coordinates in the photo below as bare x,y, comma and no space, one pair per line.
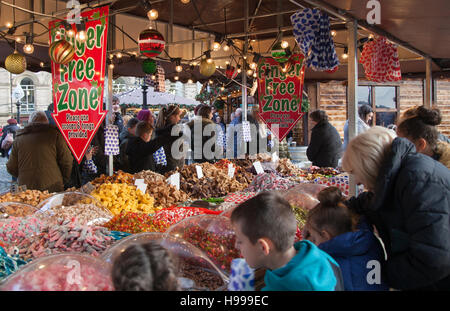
231,170
174,180
258,167
199,171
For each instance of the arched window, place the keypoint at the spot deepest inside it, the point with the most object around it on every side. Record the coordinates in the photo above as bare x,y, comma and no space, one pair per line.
28,100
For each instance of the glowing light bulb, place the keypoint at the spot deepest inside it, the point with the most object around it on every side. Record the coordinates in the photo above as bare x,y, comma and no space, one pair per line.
81,36
371,36
179,68
239,70
226,48
190,81
222,89
210,82
227,63
253,65
254,75
28,48
209,60
71,33
111,66
216,46
119,55
249,72
8,24
153,77
42,64
345,56
176,78
152,14
284,44
185,1
18,39
333,33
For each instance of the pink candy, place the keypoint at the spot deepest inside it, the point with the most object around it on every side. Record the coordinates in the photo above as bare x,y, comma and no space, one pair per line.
13,229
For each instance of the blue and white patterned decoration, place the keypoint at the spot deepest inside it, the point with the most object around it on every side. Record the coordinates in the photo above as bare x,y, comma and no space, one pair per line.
160,157
312,33
242,277
246,133
90,167
112,140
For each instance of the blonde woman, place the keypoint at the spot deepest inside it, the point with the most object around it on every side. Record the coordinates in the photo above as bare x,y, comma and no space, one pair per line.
409,204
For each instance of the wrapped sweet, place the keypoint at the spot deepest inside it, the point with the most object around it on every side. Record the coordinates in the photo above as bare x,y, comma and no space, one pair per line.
63,272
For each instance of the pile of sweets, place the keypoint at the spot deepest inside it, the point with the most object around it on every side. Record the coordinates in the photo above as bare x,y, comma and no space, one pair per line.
31,197
269,181
131,223
124,197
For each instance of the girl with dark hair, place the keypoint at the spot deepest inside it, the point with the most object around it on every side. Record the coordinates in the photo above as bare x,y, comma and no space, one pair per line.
325,145
421,131
345,237
168,117
145,267
200,139
365,115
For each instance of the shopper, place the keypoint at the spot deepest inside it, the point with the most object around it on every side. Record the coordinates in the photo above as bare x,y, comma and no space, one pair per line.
40,158
125,136
265,229
408,202
140,148
168,118
145,267
116,116
422,132
146,116
345,237
325,146
7,140
203,133
235,127
365,115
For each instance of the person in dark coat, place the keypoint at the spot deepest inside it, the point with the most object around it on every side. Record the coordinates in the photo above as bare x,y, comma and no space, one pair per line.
12,127
325,146
200,139
140,148
408,202
48,113
168,117
347,238
125,136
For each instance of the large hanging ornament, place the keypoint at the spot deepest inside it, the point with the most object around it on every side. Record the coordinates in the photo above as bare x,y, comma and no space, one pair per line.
61,52
16,63
151,43
279,54
207,69
231,72
149,66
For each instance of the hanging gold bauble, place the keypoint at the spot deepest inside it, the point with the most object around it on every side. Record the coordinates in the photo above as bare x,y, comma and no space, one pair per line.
16,63
207,69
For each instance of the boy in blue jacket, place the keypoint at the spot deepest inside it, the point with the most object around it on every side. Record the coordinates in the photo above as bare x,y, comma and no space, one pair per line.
349,240
265,228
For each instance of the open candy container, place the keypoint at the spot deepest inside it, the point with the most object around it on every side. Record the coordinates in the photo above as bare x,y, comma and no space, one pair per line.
85,208
195,270
303,195
16,209
66,272
213,234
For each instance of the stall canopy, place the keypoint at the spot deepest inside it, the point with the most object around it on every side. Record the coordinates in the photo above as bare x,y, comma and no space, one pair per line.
421,27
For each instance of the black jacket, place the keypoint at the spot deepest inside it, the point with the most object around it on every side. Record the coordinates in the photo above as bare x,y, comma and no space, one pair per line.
197,153
410,208
125,137
140,153
325,147
172,163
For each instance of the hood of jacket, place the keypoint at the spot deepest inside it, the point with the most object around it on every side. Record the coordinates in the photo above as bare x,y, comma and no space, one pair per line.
443,151
309,270
36,128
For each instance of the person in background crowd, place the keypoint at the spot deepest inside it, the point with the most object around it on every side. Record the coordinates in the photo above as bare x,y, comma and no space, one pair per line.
140,148
125,136
235,122
11,128
412,112
232,116
265,227
48,113
325,146
168,117
262,134
365,115
116,117
126,119
146,116
145,267
345,237
199,140
220,128
40,158
408,203
421,131
197,108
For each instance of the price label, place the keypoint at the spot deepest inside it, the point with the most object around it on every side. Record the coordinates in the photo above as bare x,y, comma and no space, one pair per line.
275,157
142,187
174,180
258,167
199,171
231,170
137,182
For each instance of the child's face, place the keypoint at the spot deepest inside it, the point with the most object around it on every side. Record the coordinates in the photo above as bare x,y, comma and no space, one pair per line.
147,136
313,235
251,252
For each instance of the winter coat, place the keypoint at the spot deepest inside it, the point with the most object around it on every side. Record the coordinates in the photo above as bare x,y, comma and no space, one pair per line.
353,251
140,153
10,128
325,147
172,163
362,127
125,137
311,269
40,158
197,149
443,153
410,208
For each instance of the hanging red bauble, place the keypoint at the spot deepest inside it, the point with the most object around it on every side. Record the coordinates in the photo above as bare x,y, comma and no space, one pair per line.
231,72
61,52
151,43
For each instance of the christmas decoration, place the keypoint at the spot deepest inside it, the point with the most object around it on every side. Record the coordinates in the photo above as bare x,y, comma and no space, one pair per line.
16,63
61,52
279,54
149,66
231,72
151,43
207,69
